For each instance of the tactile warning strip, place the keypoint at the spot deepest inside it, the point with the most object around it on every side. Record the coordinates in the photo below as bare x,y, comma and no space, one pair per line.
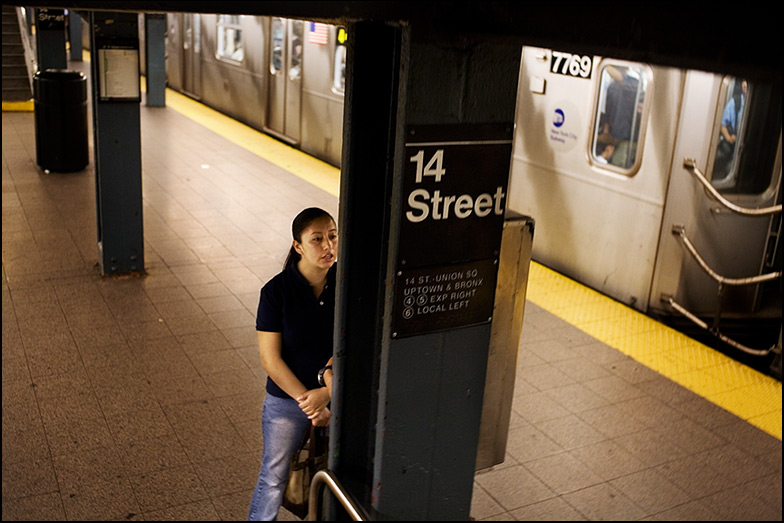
748,394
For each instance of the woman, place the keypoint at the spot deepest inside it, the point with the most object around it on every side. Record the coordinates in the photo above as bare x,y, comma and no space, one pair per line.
294,326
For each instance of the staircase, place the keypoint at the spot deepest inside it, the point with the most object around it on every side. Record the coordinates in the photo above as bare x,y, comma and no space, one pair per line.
16,79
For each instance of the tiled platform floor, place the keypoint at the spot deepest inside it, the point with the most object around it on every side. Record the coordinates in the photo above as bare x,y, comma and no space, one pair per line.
139,397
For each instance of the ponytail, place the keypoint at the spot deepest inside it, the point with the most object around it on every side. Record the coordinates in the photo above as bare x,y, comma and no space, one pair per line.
292,257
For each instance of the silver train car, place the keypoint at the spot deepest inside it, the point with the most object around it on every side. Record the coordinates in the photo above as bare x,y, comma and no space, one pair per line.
284,77
656,186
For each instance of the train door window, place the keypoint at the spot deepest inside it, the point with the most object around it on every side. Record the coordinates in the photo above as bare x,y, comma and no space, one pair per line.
339,68
230,38
192,33
278,34
295,51
187,33
197,33
746,137
619,117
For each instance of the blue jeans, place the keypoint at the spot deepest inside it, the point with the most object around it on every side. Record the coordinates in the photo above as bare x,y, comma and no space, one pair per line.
283,426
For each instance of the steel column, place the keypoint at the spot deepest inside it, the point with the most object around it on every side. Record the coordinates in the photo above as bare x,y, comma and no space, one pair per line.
155,58
75,36
50,39
117,141
408,408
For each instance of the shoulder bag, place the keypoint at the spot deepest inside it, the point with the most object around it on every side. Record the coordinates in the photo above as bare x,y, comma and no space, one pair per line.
309,459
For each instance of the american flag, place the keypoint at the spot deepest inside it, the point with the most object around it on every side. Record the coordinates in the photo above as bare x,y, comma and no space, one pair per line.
317,33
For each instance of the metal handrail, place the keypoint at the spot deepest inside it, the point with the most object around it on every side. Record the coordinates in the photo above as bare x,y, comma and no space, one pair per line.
680,230
327,478
722,281
691,165
29,52
680,308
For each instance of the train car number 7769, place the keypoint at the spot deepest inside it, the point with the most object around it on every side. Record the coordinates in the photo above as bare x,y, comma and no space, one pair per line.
571,64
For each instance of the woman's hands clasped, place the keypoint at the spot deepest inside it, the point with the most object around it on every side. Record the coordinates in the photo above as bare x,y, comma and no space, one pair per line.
314,403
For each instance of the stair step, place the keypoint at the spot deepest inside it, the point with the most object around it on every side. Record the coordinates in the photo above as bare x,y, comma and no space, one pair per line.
22,90
16,97
15,79
13,61
11,78
16,82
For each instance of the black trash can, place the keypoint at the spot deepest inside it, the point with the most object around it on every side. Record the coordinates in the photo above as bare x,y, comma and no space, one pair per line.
60,98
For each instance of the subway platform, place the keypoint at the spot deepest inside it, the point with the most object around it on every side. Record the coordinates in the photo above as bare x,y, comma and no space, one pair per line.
139,397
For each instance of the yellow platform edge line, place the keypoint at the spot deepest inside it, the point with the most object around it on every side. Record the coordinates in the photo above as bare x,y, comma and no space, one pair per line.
733,386
546,288
21,107
312,170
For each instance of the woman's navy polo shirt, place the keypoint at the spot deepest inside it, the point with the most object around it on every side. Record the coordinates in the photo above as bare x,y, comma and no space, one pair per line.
288,305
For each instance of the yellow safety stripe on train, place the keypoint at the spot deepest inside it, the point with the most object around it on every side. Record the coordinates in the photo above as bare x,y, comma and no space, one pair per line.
746,393
318,173
735,387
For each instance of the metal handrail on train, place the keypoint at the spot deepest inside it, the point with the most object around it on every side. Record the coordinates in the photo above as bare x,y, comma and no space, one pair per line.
681,231
326,477
691,165
680,308
722,281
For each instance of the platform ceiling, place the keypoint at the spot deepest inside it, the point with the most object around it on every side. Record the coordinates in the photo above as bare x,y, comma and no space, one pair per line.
735,38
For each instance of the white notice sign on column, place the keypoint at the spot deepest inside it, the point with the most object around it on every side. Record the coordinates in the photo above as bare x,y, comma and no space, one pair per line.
119,78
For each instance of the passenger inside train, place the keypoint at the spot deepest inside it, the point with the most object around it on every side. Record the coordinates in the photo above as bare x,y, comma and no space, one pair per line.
728,135
622,99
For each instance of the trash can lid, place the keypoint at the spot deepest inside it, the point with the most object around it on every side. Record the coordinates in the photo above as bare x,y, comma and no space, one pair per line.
59,86
61,75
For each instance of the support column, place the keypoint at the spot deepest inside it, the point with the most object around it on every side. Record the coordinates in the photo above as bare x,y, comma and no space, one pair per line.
155,58
117,141
427,151
75,36
370,120
50,39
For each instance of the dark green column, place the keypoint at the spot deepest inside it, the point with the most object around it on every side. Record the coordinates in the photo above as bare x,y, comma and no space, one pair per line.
155,58
411,362
75,36
372,84
117,141
50,39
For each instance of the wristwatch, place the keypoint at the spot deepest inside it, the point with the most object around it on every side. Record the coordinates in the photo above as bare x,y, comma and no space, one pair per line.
321,375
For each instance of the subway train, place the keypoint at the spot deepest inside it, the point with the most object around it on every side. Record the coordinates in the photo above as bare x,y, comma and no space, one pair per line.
656,186
284,77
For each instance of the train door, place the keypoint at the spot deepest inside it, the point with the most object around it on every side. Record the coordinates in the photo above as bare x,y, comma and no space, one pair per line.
720,247
285,78
191,54
592,148
174,50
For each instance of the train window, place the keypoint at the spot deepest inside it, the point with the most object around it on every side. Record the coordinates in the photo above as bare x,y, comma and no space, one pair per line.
748,126
278,33
192,32
187,32
339,69
197,33
230,38
619,115
295,52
